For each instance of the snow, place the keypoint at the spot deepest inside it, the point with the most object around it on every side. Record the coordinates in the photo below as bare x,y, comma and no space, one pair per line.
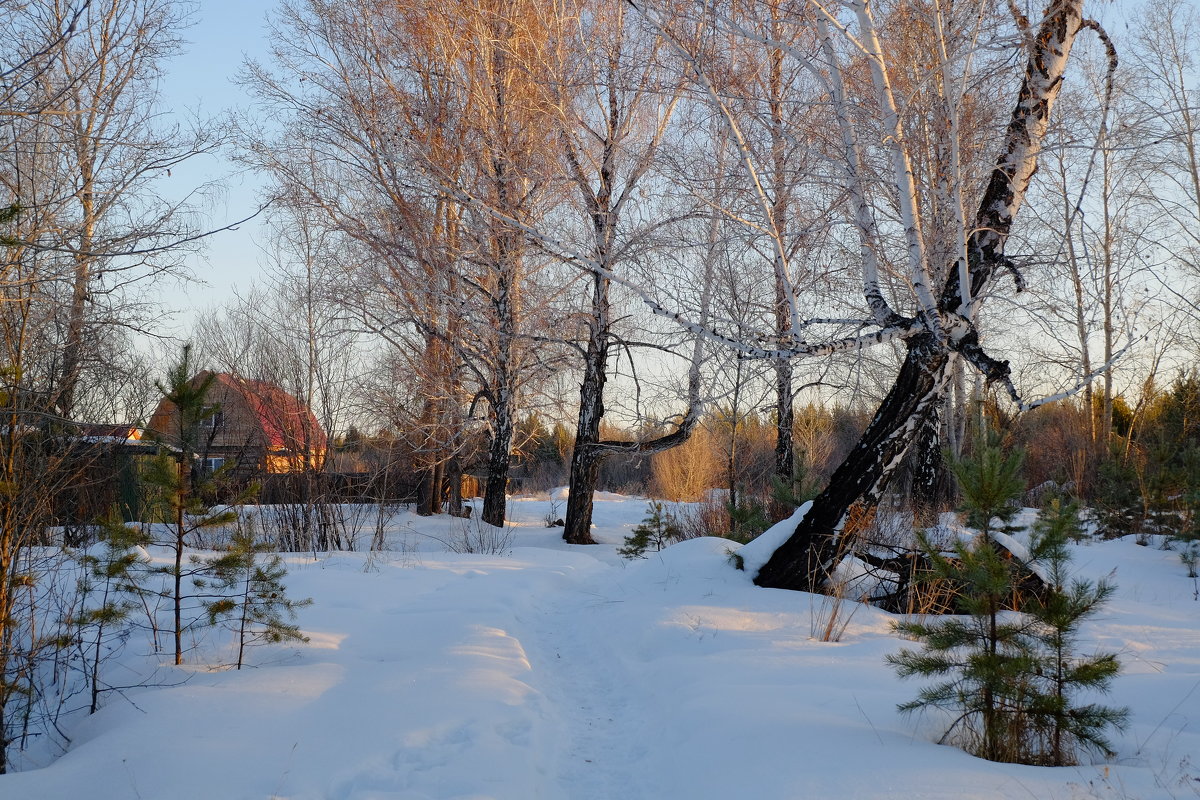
756,554
557,671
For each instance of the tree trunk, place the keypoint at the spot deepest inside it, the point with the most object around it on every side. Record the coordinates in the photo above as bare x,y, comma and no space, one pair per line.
502,395
802,561
454,479
437,379
731,462
586,455
590,450
184,476
429,491
72,353
585,473
785,447
496,486
930,488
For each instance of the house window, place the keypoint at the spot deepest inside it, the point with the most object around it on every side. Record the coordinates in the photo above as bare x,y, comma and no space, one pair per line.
214,421
211,465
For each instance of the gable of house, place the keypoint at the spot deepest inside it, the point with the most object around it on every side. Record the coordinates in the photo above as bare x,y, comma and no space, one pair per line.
256,421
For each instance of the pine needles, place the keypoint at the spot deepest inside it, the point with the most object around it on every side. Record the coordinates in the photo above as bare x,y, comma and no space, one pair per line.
1012,678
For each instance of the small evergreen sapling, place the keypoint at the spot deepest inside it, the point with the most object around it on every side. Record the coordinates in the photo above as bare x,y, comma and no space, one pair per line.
991,483
747,519
257,609
1011,678
114,578
804,486
183,488
1063,725
984,656
657,530
1188,533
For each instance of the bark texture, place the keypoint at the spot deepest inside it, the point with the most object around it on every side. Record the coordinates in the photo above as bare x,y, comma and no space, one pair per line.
586,455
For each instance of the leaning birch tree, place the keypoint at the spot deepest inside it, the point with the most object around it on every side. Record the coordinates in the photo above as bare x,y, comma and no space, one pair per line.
929,308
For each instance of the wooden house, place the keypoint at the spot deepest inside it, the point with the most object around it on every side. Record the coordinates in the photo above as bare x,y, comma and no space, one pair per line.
258,424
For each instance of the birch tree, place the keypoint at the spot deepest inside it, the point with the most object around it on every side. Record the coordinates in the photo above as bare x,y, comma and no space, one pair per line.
765,102
617,102
1166,38
396,102
110,155
931,308
1100,228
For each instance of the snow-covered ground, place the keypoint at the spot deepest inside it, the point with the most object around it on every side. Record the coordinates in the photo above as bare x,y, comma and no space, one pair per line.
566,672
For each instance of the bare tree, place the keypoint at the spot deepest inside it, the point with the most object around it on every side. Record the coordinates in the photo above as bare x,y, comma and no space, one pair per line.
1101,230
766,100
449,89
617,103
111,151
292,335
83,152
28,212
936,318
1164,61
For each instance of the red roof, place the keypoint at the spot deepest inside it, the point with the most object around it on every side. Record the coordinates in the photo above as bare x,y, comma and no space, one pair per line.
287,423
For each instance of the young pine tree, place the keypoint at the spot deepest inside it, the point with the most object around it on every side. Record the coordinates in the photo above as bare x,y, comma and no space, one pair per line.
256,607
1012,678
747,519
183,487
983,657
991,483
1063,725
109,591
657,530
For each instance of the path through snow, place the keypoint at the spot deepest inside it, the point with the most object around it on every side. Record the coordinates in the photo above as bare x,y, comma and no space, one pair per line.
557,673
601,752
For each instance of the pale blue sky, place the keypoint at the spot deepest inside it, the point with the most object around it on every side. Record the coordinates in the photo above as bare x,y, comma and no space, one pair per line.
202,79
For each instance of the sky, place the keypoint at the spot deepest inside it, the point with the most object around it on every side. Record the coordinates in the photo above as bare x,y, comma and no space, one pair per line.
203,79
